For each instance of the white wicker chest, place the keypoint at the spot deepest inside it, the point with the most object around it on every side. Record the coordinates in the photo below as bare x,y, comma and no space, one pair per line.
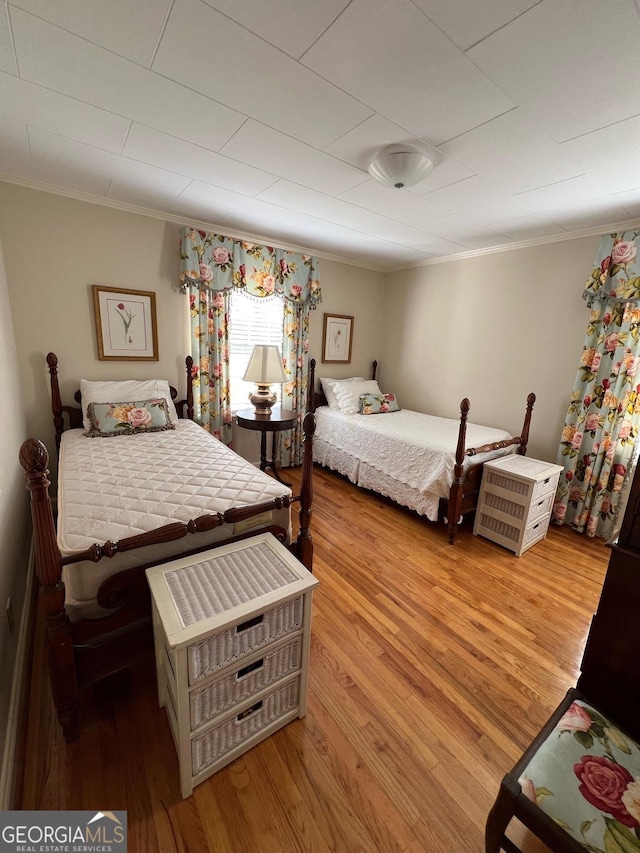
232,628
516,498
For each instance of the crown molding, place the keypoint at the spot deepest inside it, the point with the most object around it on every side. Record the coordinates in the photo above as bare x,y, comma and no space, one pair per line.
126,207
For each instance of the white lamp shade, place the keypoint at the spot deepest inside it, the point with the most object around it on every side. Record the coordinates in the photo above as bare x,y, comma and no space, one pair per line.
400,168
265,366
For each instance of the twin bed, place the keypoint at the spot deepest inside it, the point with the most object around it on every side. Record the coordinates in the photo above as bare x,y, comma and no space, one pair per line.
431,465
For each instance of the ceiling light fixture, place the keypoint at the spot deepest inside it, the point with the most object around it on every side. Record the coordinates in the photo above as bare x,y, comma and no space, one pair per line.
400,168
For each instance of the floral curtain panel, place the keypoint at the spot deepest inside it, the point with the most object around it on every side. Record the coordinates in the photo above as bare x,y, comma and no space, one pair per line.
211,266
603,417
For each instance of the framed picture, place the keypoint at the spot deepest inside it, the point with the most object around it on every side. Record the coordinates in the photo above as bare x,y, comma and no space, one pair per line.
338,333
125,324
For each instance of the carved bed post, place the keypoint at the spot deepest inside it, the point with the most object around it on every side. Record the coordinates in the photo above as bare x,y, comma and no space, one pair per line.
59,644
524,435
189,364
374,369
56,401
455,495
311,386
304,541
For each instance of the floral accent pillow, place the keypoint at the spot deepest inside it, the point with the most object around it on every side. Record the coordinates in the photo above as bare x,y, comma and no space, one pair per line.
586,777
378,404
109,419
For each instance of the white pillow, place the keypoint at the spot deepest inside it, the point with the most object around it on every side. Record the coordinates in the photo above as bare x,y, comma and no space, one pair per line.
123,392
329,387
348,394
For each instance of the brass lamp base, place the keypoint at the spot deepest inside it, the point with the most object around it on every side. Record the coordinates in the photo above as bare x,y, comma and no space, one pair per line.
262,400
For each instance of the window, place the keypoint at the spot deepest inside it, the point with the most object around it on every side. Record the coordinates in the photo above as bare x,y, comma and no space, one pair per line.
251,321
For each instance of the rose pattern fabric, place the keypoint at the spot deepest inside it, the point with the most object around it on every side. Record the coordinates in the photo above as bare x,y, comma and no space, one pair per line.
378,404
109,419
211,266
603,415
586,777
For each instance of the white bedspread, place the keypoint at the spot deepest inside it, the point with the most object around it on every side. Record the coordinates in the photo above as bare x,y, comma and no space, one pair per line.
112,488
399,453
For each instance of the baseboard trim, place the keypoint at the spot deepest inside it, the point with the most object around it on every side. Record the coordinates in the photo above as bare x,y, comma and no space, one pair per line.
13,759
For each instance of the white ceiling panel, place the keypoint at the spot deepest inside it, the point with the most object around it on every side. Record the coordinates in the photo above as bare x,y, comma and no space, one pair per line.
479,199
167,152
467,23
281,155
393,58
611,156
56,159
22,102
307,107
223,203
395,232
576,203
630,200
360,145
291,25
398,204
466,232
573,68
514,153
129,29
528,227
302,199
7,56
68,64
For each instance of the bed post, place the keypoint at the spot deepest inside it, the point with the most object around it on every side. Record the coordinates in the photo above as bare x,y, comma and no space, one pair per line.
59,644
189,364
455,495
374,369
524,435
311,387
304,541
56,401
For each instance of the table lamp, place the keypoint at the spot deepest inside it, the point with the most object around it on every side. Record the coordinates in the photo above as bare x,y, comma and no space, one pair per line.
265,369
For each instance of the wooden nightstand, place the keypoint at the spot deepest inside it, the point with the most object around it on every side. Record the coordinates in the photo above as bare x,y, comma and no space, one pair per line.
277,421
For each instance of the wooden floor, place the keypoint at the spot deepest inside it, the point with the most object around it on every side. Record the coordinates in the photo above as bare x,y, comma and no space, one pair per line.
431,668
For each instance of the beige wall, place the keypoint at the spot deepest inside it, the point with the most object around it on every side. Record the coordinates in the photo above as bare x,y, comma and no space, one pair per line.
14,509
491,328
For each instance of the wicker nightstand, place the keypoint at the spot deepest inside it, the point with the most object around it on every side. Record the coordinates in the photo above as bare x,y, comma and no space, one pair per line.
232,628
516,498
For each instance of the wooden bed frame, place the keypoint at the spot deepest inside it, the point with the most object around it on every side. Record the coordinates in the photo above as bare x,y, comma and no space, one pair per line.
83,651
463,495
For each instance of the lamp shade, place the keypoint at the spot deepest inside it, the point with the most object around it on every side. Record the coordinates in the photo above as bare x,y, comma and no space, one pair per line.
265,366
400,168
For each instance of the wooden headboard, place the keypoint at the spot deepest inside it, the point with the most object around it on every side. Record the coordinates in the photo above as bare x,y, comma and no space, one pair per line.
317,398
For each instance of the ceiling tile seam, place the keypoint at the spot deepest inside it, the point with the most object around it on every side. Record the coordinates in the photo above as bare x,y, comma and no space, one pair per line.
502,26
13,44
126,138
476,127
598,129
162,31
326,29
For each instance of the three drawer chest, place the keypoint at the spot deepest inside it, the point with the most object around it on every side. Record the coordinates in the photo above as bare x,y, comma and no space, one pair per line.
232,628
516,499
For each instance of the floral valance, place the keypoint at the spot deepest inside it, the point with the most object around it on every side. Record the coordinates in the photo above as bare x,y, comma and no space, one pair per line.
221,263
616,271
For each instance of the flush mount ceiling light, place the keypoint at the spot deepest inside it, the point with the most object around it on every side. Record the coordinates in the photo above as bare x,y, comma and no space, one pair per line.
401,168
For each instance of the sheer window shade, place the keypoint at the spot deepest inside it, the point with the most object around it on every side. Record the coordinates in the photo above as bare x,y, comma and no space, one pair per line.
251,321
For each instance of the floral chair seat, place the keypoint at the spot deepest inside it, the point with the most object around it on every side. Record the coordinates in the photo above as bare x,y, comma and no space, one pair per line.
586,777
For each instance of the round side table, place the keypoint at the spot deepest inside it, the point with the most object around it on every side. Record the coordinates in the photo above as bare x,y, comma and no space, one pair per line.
277,421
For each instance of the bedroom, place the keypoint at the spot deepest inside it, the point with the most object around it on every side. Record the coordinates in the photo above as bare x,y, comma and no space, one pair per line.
428,326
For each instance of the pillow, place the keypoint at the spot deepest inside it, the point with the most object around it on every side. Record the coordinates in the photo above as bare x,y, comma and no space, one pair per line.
348,394
108,419
128,389
370,404
329,387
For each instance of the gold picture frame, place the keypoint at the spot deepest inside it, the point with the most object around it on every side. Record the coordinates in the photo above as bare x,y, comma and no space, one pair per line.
337,339
126,325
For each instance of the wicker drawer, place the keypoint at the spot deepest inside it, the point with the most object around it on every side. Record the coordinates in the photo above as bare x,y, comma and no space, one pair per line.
511,536
530,490
224,648
210,747
207,702
518,511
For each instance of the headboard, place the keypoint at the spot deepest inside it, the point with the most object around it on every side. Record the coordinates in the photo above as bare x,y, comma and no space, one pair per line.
317,398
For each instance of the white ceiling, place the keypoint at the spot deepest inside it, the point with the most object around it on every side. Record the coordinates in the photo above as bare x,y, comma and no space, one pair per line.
260,117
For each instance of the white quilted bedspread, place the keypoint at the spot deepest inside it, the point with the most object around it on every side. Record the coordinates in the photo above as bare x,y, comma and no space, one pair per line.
409,448
111,488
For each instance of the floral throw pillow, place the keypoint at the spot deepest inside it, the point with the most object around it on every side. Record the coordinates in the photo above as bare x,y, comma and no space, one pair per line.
378,404
586,777
109,419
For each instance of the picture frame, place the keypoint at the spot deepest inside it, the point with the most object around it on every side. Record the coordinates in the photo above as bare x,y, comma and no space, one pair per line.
126,325
337,339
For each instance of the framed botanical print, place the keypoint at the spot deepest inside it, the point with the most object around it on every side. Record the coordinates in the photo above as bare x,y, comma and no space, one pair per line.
337,337
126,327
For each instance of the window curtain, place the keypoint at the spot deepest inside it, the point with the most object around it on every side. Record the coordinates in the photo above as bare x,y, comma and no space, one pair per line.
603,416
211,266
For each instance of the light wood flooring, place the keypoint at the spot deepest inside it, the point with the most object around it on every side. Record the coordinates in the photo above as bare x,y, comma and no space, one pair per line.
431,668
